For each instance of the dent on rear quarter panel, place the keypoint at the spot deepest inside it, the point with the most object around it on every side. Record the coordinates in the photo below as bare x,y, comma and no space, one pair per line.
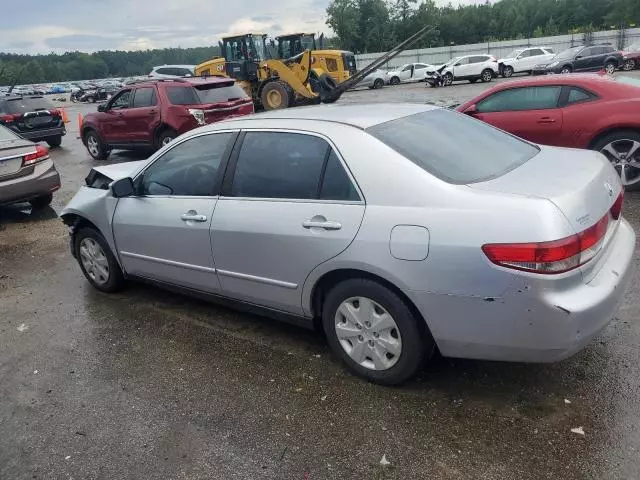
97,206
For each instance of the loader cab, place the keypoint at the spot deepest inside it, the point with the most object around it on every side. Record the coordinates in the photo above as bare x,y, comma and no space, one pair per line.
294,44
243,55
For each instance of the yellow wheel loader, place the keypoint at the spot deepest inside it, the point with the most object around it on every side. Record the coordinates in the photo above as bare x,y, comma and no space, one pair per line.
282,83
340,64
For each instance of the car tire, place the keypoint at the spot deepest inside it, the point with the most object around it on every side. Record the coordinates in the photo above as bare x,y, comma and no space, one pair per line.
566,69
486,76
407,333
621,139
507,71
165,137
378,83
629,65
394,81
95,145
93,254
41,202
91,99
610,67
448,79
473,80
55,142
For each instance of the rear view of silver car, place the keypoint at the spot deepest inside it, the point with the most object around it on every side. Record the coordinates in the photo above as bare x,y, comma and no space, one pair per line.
398,229
27,173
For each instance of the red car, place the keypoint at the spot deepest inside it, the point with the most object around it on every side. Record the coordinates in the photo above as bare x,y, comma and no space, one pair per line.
590,111
151,113
631,57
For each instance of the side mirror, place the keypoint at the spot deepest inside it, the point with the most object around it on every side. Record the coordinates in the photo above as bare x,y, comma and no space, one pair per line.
123,188
102,108
579,57
457,65
472,110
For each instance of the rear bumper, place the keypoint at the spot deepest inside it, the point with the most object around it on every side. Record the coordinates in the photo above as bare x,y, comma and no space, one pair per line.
37,135
43,180
530,323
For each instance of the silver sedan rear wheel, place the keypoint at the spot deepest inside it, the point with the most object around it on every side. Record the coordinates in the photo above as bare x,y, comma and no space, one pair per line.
94,261
368,333
624,155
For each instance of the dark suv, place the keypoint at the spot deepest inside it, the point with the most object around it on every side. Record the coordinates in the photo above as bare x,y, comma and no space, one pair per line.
151,113
33,117
583,59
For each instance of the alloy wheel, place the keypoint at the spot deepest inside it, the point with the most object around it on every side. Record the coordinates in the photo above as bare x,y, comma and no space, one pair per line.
94,261
92,145
624,155
166,141
486,76
508,71
610,68
629,65
565,70
368,333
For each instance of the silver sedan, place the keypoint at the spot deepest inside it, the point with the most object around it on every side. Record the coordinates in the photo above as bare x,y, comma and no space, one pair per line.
399,228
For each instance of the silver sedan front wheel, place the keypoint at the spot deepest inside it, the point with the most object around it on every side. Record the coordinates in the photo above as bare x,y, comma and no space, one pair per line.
94,261
368,333
624,155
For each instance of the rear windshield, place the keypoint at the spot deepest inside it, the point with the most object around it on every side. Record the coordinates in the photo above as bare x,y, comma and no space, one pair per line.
453,146
6,134
25,104
212,93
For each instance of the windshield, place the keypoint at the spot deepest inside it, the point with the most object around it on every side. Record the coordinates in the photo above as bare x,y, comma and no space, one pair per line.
568,53
26,104
308,42
222,92
453,146
514,54
256,49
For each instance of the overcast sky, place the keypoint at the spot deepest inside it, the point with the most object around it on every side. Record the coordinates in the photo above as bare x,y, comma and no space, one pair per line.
42,26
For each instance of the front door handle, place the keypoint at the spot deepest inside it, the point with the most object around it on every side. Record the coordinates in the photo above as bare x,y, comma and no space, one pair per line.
547,120
321,224
192,216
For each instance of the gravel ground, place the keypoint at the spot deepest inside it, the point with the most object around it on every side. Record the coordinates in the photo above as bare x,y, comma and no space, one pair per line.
147,384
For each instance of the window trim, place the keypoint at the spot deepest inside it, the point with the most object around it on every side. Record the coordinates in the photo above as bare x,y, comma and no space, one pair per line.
566,90
227,182
558,105
217,186
154,97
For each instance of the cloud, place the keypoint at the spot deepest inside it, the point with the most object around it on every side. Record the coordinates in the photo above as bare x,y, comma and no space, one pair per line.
93,25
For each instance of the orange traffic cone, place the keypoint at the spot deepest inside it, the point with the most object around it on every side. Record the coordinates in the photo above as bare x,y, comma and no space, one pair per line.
65,117
80,121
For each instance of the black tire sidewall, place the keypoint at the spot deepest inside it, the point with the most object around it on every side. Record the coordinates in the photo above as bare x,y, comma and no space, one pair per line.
41,202
378,83
507,72
394,81
102,153
116,279
286,96
482,75
54,142
165,134
416,345
599,144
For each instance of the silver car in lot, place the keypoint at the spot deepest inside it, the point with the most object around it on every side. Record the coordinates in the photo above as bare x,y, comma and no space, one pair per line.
398,228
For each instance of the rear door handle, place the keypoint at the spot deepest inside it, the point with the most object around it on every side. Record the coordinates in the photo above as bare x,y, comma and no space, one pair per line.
152,112
192,216
322,224
547,120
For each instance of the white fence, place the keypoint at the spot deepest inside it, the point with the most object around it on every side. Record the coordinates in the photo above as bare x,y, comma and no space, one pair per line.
439,55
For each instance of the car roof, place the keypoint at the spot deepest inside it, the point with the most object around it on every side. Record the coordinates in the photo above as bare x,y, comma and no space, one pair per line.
183,82
360,116
561,79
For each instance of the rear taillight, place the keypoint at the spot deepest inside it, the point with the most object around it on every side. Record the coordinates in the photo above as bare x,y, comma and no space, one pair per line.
553,257
616,209
41,153
8,118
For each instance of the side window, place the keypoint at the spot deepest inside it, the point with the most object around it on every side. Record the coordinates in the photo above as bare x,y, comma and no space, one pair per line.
279,165
525,54
332,64
163,71
526,98
587,52
121,100
536,52
190,168
184,72
463,61
420,65
577,95
336,184
407,68
549,50
144,97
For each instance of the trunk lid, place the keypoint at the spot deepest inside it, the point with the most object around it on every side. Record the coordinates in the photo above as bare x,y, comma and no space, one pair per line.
11,156
581,183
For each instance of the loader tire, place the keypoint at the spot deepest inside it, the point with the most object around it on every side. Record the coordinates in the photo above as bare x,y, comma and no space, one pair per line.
327,87
276,95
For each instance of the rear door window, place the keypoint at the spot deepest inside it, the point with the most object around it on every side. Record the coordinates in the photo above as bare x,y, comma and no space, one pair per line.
536,52
182,95
279,165
336,184
454,147
144,97
518,99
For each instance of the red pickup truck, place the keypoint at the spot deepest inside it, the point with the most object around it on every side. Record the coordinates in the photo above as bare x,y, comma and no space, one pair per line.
150,114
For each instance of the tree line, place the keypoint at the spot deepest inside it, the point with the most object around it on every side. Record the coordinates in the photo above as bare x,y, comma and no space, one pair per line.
72,66
366,26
